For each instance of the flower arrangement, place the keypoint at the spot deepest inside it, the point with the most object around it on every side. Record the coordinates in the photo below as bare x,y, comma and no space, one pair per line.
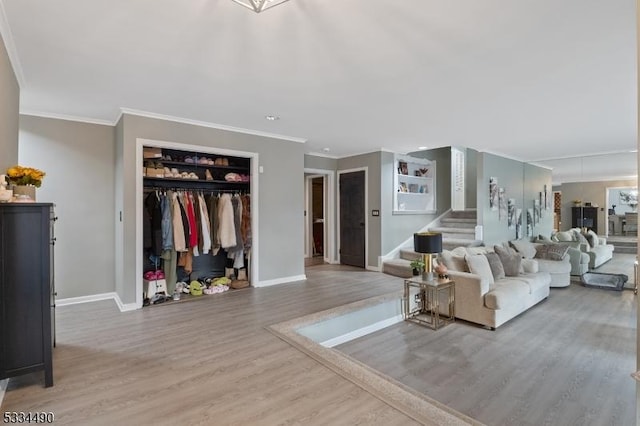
18,175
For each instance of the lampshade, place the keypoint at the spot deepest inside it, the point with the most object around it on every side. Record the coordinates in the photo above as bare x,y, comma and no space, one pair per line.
427,242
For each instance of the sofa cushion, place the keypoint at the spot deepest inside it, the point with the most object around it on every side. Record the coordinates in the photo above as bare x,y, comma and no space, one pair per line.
525,248
551,251
510,260
507,293
453,262
479,264
529,266
496,265
564,236
555,266
535,281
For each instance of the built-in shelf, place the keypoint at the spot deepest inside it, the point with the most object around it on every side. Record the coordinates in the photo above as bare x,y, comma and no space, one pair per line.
414,185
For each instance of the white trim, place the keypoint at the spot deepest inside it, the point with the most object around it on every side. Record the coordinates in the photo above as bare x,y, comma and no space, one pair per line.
594,154
85,299
329,212
125,307
208,124
322,154
283,280
308,207
366,212
66,117
594,179
374,268
254,158
10,46
409,241
371,328
96,298
3,388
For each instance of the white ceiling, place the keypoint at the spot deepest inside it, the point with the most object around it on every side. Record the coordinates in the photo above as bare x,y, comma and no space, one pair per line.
529,79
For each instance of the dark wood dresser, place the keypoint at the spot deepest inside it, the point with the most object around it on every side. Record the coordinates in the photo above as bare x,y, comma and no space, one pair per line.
27,292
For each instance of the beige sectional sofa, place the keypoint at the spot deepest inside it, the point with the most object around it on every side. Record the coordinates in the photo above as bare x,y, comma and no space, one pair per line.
589,242
488,299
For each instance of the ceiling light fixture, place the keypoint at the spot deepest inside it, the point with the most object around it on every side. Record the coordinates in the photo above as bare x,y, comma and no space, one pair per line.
271,117
422,148
259,5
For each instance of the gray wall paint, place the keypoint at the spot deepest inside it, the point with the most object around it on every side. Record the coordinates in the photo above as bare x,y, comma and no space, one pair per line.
281,193
520,182
397,228
535,179
592,192
471,178
323,163
78,161
9,111
374,236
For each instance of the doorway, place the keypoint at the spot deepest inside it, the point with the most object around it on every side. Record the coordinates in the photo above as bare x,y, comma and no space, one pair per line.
353,226
319,216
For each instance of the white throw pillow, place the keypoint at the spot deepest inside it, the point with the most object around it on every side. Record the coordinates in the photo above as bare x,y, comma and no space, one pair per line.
479,265
526,248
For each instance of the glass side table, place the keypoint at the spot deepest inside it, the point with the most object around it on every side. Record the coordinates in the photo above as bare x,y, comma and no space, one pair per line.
429,303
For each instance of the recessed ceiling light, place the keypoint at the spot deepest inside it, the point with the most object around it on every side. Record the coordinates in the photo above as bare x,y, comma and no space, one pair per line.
422,148
272,117
326,149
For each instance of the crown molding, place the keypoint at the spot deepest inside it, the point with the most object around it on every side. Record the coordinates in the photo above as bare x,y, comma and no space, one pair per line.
5,31
322,154
595,154
86,120
182,120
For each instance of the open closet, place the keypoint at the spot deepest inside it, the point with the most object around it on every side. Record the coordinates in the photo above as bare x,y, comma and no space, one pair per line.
196,224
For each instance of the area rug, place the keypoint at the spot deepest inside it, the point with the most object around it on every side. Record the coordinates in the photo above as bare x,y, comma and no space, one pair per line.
604,281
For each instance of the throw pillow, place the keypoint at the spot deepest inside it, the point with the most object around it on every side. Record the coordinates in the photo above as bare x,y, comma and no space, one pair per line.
496,265
453,262
542,238
551,251
596,239
511,260
525,248
589,239
479,265
580,238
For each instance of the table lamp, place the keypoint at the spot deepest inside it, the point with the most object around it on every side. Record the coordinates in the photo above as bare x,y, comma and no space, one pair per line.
427,243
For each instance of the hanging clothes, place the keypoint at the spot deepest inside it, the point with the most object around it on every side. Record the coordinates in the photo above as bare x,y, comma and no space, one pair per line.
178,225
246,222
193,228
167,221
226,217
214,222
152,204
237,252
205,223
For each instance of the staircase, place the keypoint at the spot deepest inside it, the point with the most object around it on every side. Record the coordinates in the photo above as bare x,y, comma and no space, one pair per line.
457,229
628,245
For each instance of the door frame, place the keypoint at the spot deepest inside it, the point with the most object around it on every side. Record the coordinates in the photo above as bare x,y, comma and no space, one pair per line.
366,215
329,212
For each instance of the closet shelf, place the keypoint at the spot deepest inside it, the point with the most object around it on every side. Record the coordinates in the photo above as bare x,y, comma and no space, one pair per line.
189,181
195,165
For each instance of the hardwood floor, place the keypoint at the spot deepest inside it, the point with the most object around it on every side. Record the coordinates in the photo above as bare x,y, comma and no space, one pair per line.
205,362
564,362
212,361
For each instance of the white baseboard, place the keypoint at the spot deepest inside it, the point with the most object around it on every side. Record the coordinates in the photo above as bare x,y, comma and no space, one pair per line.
98,297
3,388
362,332
373,268
85,299
282,280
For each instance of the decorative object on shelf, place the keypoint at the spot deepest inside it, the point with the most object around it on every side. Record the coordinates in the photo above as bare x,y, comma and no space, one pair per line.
6,195
259,5
427,243
417,266
403,168
441,270
577,203
24,181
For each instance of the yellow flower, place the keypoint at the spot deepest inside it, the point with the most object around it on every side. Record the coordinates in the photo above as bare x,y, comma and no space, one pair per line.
19,175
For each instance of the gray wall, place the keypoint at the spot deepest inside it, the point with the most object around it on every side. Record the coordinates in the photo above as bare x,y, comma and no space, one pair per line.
521,182
396,228
281,193
374,236
592,192
9,110
78,161
471,178
535,179
324,163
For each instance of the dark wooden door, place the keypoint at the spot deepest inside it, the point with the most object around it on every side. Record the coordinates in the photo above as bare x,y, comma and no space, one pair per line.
352,219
